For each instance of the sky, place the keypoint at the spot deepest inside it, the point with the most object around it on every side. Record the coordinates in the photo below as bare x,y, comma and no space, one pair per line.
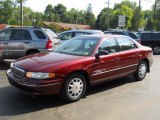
97,5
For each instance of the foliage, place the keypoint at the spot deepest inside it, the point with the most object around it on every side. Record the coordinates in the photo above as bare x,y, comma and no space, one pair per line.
10,14
89,16
149,25
127,8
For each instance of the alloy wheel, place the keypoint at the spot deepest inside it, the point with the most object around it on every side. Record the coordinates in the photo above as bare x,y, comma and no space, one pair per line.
142,70
75,87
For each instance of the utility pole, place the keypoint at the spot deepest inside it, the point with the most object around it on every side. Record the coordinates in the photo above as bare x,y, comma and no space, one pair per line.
139,12
21,11
154,14
108,14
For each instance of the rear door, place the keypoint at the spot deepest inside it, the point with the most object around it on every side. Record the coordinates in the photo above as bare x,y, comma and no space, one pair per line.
19,43
129,55
4,40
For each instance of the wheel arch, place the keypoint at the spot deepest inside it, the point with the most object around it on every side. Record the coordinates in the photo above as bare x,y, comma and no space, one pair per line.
31,50
82,72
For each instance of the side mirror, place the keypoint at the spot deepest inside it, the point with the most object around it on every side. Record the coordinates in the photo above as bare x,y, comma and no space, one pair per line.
100,53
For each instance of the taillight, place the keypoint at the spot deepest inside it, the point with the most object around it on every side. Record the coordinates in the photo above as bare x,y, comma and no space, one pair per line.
49,44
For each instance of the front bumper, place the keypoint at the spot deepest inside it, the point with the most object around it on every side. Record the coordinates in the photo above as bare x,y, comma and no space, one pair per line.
34,89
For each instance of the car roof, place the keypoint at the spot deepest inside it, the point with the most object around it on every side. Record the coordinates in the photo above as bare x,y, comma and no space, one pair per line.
88,31
118,30
27,27
149,32
101,36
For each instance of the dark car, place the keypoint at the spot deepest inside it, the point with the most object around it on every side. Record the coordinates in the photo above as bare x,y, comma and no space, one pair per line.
79,63
151,39
21,41
133,35
64,36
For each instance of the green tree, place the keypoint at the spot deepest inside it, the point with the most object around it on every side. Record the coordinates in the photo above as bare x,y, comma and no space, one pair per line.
61,11
149,25
124,10
49,13
134,19
89,16
6,11
102,19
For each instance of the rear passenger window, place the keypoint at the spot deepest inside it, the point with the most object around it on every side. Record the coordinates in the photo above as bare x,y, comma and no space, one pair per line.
147,36
20,35
39,34
125,44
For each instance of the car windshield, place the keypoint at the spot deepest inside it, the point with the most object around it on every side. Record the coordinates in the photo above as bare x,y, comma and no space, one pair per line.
81,46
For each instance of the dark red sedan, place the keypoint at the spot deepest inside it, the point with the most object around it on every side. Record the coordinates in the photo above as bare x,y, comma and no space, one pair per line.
79,63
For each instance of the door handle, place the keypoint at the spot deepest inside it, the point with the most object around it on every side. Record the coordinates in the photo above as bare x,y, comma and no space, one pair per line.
27,42
117,59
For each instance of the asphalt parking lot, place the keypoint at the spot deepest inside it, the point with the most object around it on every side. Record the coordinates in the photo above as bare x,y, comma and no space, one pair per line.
123,99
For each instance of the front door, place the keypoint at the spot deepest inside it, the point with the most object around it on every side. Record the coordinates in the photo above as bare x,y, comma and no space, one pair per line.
107,66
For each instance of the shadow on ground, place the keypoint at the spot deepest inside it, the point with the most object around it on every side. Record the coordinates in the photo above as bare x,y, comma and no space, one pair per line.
15,102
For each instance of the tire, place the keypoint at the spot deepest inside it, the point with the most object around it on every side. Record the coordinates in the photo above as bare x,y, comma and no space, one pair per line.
74,88
156,49
141,71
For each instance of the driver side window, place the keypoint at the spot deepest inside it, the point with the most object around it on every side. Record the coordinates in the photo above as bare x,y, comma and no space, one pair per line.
109,45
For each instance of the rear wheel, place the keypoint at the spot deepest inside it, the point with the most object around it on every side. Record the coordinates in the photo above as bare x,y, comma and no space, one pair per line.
141,71
74,88
156,49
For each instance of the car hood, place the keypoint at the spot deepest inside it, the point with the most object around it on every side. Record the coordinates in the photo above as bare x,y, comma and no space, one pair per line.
44,61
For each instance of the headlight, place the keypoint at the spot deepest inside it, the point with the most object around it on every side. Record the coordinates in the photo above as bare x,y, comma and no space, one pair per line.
40,75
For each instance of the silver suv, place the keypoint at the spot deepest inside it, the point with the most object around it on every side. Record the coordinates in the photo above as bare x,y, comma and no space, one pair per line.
22,41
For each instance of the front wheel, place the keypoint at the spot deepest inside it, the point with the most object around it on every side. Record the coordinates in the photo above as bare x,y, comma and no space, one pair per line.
141,71
74,88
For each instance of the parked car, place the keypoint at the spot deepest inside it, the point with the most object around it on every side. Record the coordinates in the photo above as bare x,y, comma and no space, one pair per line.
133,35
22,41
64,36
79,63
151,39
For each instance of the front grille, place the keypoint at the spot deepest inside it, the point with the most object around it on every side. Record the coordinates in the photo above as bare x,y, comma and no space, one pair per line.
17,72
